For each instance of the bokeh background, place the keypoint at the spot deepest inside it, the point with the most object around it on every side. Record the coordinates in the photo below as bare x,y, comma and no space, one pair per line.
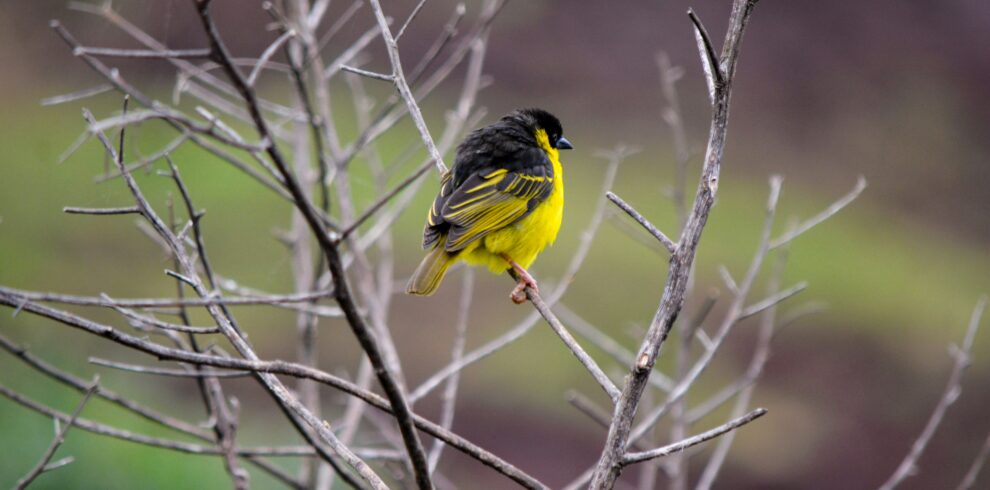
825,92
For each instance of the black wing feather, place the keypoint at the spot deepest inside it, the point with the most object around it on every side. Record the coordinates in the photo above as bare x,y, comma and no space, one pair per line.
503,155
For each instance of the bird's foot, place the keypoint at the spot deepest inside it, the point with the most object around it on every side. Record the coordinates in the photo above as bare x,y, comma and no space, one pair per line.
518,294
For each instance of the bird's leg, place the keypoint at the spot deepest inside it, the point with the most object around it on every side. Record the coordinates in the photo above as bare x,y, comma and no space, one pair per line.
524,279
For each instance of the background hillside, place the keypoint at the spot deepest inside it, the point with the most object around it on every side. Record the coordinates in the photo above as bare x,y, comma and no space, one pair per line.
825,92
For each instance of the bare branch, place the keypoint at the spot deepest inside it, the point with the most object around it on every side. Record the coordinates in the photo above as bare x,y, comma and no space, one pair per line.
267,54
341,289
141,53
732,318
457,351
351,53
609,345
632,458
369,74
413,14
184,447
760,357
81,386
399,79
714,78
609,465
390,113
974,470
820,217
132,406
368,213
575,348
178,373
42,465
74,96
772,301
669,75
266,367
101,211
952,391
160,302
667,242
137,320
730,283
289,403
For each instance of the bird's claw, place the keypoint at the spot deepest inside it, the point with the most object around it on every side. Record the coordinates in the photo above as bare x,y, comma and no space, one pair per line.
518,294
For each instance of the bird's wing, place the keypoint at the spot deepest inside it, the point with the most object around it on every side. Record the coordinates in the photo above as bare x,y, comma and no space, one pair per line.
435,225
492,199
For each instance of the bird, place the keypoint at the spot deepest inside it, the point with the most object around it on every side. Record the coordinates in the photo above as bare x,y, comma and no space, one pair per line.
500,204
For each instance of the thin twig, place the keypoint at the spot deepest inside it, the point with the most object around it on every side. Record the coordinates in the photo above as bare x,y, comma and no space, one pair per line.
81,386
74,96
273,367
667,242
761,354
174,118
141,53
267,54
125,435
449,398
609,345
290,405
412,15
366,73
101,211
669,75
341,289
609,464
132,406
974,470
632,458
732,318
42,465
368,213
772,300
830,211
390,114
714,78
399,79
349,54
572,344
953,389
160,302
179,373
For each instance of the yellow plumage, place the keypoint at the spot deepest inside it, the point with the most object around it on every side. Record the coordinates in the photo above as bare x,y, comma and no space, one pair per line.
525,239
501,204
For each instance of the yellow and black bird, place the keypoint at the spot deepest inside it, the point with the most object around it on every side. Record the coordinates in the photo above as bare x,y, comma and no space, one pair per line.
501,204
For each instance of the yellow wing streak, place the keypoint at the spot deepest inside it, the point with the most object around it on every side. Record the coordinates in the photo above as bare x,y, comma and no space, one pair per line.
494,203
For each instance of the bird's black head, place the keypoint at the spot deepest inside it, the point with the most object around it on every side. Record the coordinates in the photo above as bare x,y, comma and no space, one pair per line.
539,119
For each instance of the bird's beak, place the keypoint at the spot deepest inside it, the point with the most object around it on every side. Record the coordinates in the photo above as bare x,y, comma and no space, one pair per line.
563,144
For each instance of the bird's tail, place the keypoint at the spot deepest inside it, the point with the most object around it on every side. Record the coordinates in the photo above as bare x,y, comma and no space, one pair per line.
430,272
